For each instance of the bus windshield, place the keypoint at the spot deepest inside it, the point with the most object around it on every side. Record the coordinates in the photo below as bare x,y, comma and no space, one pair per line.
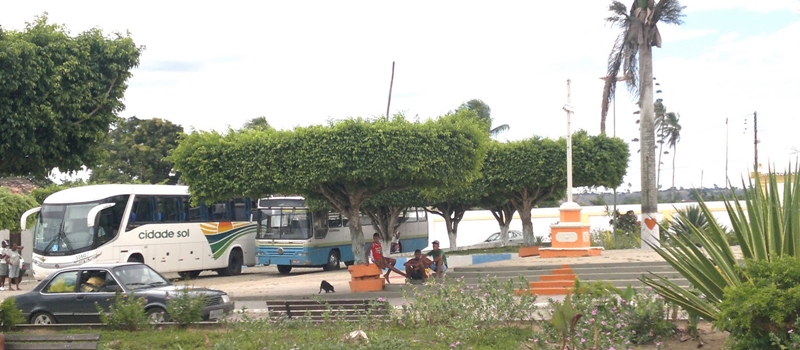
286,223
62,229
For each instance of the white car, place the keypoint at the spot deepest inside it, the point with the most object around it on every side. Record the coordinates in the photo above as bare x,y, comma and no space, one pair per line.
514,236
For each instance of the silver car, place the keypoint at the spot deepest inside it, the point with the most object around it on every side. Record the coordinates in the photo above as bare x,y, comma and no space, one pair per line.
514,236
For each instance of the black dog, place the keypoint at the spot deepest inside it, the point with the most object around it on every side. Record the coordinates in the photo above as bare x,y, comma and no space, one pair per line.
327,287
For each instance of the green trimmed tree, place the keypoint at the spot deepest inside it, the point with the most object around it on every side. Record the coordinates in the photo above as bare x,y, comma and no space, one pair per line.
529,171
346,162
385,209
12,205
451,203
136,152
58,95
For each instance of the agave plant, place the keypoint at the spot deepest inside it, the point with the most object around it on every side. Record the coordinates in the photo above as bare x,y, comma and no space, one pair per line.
768,226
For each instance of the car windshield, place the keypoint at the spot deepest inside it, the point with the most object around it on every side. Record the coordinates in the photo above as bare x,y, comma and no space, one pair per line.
493,237
139,276
284,223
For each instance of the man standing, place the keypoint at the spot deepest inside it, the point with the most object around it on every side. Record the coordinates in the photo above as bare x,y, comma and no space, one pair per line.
439,259
383,262
416,266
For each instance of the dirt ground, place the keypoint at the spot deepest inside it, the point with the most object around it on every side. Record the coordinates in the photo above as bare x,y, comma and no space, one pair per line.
710,339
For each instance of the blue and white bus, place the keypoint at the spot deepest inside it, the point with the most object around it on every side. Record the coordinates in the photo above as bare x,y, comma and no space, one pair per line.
153,224
289,235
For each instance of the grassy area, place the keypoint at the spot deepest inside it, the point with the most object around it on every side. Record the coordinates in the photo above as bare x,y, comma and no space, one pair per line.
306,336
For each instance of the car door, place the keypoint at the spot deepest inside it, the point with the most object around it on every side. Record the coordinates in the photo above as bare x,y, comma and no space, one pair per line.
58,297
97,289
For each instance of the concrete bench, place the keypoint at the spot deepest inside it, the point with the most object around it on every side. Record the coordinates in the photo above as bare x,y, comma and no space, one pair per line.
320,310
51,341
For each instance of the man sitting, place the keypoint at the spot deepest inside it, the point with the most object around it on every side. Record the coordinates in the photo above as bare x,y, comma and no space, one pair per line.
439,266
416,266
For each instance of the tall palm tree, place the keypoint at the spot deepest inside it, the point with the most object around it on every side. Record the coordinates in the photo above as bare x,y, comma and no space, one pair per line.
633,53
484,112
672,134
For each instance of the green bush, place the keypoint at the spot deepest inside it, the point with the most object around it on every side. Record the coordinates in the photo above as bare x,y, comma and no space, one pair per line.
763,312
620,240
10,315
185,308
126,312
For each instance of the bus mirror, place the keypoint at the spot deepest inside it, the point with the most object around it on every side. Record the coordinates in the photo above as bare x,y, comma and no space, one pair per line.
92,215
24,220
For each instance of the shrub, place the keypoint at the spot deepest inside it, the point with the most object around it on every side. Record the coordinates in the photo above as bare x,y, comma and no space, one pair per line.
763,312
126,312
610,241
604,317
185,308
465,313
10,315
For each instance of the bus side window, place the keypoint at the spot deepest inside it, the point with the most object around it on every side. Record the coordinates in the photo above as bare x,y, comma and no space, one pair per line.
238,210
422,215
334,220
190,213
411,215
142,212
167,209
217,212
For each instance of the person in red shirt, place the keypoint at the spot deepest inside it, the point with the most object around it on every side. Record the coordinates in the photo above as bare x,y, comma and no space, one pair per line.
383,262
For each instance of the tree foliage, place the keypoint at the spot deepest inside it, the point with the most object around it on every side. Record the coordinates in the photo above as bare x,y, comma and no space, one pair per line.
532,170
136,152
12,206
346,162
58,95
259,123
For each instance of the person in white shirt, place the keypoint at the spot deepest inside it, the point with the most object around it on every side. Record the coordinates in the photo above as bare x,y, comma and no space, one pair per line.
14,259
4,252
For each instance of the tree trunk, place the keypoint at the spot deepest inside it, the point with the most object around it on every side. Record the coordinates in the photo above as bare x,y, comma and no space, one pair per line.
674,150
649,222
504,214
452,215
527,224
452,235
386,247
356,234
660,152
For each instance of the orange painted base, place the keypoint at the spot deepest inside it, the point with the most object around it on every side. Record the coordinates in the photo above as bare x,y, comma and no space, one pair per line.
363,270
528,251
367,285
560,277
569,253
543,291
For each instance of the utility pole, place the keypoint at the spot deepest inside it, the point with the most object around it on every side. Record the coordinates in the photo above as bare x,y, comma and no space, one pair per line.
391,83
727,180
755,143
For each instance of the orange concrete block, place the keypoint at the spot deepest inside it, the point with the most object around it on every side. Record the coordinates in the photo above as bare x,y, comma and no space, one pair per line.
521,292
551,291
563,271
552,284
528,251
569,215
363,270
367,285
571,253
559,277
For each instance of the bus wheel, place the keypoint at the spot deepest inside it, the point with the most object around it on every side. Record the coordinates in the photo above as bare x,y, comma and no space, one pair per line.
234,264
333,261
189,274
284,269
136,258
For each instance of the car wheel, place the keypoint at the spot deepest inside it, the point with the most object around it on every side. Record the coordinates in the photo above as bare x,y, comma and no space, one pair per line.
43,318
156,315
235,261
333,261
284,269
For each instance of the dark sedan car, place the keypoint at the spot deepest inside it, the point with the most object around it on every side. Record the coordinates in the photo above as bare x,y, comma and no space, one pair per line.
69,295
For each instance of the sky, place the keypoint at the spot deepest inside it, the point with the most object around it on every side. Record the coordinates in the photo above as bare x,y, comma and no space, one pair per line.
214,65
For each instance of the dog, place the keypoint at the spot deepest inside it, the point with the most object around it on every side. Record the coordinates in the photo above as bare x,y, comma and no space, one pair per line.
327,287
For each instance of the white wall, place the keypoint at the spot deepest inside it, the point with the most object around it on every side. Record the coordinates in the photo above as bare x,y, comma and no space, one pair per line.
27,242
477,225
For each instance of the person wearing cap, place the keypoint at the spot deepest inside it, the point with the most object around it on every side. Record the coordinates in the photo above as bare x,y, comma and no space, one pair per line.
439,259
383,262
4,257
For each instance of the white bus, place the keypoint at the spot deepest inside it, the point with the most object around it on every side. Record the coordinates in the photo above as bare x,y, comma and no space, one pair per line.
290,235
153,224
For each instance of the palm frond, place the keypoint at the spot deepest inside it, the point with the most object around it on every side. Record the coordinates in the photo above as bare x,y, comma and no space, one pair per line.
619,15
499,129
668,11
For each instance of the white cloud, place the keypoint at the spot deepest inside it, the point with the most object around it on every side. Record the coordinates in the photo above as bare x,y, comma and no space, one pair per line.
299,63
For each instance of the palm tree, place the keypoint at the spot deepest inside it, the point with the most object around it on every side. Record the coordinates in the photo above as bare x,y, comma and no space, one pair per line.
259,123
633,53
672,134
484,112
